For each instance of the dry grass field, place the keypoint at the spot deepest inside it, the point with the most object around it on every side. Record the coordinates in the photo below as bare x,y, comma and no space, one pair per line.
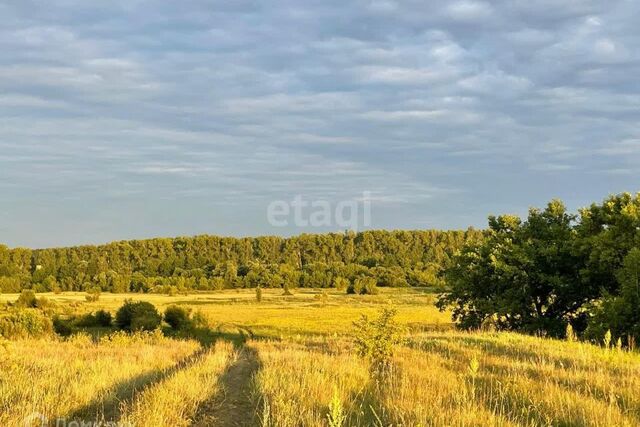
291,361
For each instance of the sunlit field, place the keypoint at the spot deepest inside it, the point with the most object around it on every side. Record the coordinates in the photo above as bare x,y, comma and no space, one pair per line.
291,361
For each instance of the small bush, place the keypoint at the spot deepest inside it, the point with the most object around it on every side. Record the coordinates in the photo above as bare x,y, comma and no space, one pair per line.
42,303
100,318
136,316
199,320
259,294
341,284
93,294
375,340
363,286
62,327
25,323
27,299
177,317
103,318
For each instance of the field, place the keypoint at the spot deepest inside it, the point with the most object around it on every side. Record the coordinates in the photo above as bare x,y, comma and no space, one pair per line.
290,361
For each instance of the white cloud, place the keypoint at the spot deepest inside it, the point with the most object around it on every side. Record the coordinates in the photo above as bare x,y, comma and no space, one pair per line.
470,11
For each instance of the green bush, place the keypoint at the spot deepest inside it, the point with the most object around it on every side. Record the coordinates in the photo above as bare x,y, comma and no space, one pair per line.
62,326
100,318
93,294
103,318
25,323
341,284
177,317
27,299
363,286
376,340
136,316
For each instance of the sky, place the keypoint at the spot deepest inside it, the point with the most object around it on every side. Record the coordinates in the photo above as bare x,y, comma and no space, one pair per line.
133,119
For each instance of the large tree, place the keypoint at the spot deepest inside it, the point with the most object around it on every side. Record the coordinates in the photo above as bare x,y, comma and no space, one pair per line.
523,275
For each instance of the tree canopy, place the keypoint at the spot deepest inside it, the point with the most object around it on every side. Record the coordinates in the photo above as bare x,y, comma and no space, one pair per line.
550,270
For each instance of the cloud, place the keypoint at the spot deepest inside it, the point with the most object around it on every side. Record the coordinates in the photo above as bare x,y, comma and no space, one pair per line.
205,112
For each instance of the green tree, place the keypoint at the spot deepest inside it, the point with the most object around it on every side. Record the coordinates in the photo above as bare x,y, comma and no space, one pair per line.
620,314
523,274
140,315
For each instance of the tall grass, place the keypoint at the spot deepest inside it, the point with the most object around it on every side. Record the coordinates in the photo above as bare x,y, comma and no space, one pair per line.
175,401
306,371
61,379
455,379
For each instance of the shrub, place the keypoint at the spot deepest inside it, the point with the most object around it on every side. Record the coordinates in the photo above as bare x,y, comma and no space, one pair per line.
25,323
287,291
27,299
375,340
259,294
93,294
363,286
177,317
103,318
336,416
42,303
341,284
100,318
62,326
136,316
199,320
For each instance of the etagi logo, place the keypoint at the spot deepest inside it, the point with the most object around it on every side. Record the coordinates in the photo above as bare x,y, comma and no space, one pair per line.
320,213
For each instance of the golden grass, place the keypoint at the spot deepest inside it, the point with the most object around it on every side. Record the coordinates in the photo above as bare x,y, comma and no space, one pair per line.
519,380
306,360
65,379
175,401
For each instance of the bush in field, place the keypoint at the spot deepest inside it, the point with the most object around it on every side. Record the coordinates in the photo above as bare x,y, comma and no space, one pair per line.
25,323
341,284
199,320
178,318
103,318
286,290
62,326
363,286
93,294
137,316
100,318
259,294
27,299
375,340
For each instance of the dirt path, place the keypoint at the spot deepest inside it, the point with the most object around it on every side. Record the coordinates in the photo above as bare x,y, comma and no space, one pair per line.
232,407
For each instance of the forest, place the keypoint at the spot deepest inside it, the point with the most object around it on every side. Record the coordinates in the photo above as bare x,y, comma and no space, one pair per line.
393,258
551,271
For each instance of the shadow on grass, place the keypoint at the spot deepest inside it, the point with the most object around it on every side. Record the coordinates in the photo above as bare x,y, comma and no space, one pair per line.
236,402
106,408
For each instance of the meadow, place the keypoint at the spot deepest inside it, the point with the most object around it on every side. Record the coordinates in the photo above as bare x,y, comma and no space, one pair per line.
291,361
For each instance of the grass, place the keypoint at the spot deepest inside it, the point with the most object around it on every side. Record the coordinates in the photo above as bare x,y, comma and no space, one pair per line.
79,378
298,366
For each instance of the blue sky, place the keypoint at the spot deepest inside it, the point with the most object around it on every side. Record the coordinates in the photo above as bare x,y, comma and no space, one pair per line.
129,119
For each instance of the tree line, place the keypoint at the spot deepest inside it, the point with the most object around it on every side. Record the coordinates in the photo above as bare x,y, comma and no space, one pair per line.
552,270
391,258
